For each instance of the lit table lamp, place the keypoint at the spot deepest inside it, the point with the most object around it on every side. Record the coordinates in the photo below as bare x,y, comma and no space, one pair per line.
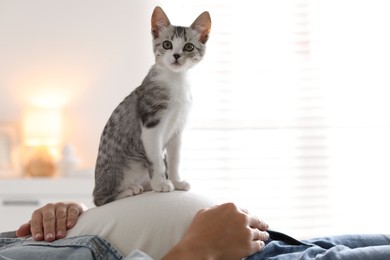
42,137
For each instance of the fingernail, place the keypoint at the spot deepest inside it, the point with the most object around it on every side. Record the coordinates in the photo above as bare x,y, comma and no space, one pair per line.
49,236
59,234
38,236
69,224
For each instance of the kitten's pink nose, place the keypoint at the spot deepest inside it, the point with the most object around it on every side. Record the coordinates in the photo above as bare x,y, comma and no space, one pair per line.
177,56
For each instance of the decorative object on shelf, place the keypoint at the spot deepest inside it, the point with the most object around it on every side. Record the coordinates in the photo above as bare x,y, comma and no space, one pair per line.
40,163
8,151
68,161
42,129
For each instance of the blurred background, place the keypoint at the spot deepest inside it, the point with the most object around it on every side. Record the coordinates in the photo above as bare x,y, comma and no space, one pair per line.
290,116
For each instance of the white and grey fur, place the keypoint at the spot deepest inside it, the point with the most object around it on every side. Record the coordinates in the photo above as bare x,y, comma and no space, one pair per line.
140,144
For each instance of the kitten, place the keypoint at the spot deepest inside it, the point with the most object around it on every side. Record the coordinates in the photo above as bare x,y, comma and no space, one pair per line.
139,146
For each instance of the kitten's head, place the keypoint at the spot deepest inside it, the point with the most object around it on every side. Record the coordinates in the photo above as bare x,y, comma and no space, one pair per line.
179,48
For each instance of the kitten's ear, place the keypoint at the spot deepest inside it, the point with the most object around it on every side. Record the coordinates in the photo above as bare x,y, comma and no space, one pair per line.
159,20
203,25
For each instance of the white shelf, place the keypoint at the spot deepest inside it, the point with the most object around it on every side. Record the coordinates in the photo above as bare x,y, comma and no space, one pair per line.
19,197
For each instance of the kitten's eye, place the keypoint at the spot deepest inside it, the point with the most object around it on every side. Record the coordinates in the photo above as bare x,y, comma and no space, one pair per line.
189,47
167,45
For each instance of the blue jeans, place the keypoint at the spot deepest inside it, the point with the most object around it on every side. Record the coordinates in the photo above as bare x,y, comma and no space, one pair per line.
280,247
83,247
346,247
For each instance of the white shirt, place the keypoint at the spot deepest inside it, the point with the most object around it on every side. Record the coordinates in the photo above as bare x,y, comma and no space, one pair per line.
152,222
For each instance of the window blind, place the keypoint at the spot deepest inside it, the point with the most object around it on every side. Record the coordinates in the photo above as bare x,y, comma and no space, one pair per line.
273,126
352,56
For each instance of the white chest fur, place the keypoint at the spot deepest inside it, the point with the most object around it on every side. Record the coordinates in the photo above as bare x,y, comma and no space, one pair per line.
179,104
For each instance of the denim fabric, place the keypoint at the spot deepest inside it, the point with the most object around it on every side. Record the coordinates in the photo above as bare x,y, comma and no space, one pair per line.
280,247
83,247
347,247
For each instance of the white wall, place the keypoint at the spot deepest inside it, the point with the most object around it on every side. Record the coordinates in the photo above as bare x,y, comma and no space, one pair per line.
83,55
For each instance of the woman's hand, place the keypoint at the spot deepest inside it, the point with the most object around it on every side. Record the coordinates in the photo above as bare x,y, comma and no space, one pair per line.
51,221
221,232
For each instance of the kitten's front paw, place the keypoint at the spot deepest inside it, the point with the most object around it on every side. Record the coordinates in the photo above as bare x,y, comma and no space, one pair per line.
164,186
134,189
181,185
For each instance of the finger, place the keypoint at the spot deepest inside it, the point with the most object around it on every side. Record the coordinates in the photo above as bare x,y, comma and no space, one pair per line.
36,227
74,211
259,235
255,222
257,246
61,217
49,222
24,230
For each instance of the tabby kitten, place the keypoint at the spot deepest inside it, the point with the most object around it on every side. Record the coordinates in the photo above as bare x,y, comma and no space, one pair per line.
139,146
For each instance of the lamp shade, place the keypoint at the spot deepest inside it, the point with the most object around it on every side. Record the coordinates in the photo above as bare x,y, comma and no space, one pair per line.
42,126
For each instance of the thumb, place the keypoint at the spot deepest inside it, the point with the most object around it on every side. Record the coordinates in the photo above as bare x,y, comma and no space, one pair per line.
23,230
